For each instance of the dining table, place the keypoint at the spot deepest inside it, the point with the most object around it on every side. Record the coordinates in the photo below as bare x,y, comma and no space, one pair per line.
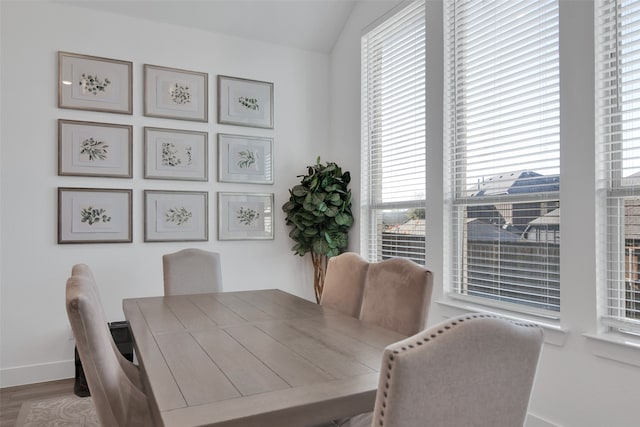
253,358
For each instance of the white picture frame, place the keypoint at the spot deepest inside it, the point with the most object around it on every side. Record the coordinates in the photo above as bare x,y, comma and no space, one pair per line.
245,102
245,159
93,83
245,216
94,149
94,215
173,93
176,216
176,154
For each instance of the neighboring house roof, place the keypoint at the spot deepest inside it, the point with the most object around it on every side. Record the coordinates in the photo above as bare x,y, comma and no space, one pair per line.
631,219
632,179
550,218
477,229
486,222
413,226
524,181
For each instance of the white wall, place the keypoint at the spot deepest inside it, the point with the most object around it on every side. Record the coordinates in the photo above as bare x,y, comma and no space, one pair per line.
34,332
574,387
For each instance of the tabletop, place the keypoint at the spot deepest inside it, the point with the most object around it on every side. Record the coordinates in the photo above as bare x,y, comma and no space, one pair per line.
253,358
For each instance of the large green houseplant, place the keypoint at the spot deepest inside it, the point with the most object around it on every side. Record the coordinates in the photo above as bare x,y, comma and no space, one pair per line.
319,209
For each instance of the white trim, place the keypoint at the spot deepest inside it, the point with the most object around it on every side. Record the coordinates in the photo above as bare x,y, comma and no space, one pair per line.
393,153
614,346
536,421
516,309
615,46
395,9
553,332
30,374
474,102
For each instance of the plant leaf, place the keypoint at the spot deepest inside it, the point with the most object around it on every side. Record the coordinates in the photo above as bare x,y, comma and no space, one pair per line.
310,232
299,191
320,246
331,211
289,206
344,219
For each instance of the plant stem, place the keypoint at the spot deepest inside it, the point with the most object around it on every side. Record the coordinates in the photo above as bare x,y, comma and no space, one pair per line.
319,270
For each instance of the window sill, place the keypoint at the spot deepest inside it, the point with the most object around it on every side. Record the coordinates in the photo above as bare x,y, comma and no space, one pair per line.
614,346
553,333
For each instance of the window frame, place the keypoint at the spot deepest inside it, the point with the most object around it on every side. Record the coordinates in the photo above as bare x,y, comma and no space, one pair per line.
612,188
456,199
372,207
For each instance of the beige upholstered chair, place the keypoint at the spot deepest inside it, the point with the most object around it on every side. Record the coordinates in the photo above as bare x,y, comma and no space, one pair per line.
114,382
344,283
397,295
474,370
191,271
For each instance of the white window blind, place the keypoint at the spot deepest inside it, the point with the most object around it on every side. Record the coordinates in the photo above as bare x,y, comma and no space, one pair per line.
393,137
503,156
618,96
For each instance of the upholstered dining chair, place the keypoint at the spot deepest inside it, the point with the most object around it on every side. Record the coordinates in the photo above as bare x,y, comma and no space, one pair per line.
396,295
344,283
191,271
473,370
114,382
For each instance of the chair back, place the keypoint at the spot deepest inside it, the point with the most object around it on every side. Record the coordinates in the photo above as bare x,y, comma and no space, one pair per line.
191,271
397,295
113,381
344,283
474,370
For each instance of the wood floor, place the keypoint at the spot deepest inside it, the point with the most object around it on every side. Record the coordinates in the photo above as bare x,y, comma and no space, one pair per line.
12,398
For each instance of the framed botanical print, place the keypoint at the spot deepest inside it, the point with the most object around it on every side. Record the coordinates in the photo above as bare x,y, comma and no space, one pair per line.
175,94
94,149
175,154
245,216
175,216
245,102
246,159
94,83
94,215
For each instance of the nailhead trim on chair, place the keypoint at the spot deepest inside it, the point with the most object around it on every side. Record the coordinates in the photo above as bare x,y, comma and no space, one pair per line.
432,336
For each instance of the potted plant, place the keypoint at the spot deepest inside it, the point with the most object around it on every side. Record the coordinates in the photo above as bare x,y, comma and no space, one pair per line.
319,209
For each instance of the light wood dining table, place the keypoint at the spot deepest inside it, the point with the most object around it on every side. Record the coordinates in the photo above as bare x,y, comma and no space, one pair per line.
253,358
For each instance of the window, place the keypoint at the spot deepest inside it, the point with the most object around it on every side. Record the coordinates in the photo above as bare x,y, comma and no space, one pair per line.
503,152
618,121
393,137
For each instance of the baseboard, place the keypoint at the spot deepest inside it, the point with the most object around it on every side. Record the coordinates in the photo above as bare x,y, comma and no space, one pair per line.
535,421
31,374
